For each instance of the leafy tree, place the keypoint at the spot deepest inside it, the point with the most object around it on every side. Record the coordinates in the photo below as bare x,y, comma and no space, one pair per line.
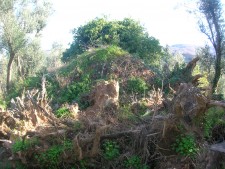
212,26
206,58
127,34
21,21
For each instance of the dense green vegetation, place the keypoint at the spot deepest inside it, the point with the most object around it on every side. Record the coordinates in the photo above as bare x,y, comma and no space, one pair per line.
127,34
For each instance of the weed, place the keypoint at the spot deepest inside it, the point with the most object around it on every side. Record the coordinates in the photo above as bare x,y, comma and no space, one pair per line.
51,157
134,162
62,112
21,145
186,145
111,150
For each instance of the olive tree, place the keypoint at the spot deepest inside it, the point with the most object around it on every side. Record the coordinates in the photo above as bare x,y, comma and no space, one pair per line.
21,23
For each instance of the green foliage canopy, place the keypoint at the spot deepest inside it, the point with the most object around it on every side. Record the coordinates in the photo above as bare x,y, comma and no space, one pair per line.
128,34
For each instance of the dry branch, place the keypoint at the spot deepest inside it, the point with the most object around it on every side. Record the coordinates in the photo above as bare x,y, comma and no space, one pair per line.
213,103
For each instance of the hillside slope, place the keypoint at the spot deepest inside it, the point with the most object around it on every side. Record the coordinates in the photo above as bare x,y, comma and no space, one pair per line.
103,109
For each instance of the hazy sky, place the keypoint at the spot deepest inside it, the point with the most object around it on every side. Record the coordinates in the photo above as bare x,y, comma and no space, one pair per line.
166,20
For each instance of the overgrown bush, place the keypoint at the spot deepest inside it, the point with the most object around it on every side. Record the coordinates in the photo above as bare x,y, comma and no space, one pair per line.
127,34
85,70
136,85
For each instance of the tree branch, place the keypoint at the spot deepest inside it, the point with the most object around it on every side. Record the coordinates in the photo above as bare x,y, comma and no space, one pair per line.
213,103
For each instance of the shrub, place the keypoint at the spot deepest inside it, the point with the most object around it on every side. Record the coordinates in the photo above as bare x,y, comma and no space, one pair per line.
76,89
136,85
110,150
62,112
185,145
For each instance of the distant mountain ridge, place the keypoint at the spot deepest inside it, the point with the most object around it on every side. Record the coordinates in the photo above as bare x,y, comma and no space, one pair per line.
187,50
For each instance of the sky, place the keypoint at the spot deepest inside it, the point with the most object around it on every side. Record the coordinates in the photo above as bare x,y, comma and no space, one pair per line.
165,20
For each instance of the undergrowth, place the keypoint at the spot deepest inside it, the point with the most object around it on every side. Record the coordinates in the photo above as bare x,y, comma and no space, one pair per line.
185,145
24,145
213,117
136,85
51,157
134,162
110,150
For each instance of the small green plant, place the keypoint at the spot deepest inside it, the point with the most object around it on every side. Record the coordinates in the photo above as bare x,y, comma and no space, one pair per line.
136,85
125,113
110,150
134,162
51,157
213,117
185,145
23,145
62,112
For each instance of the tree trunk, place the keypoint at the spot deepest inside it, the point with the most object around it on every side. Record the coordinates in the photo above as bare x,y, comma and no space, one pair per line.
19,68
217,71
9,70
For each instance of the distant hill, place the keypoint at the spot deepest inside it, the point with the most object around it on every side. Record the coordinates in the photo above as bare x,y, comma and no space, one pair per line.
187,50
